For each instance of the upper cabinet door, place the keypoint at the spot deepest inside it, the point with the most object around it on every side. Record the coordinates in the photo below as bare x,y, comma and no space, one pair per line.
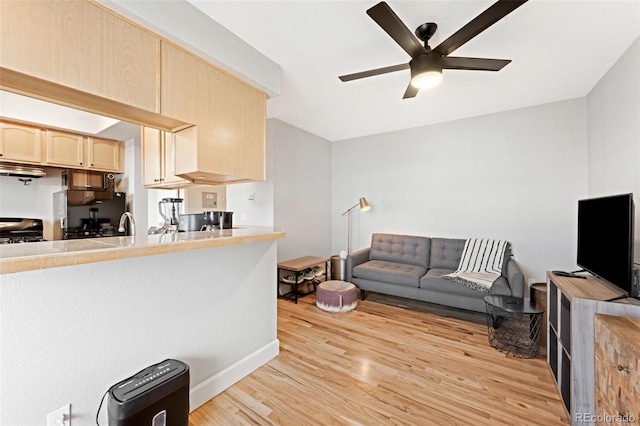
229,116
105,154
151,156
157,160
81,45
65,149
22,144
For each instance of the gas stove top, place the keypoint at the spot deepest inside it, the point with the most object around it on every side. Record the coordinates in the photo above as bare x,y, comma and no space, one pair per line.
18,240
20,230
91,232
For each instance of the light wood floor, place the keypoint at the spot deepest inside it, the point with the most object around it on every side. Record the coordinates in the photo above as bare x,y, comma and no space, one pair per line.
391,361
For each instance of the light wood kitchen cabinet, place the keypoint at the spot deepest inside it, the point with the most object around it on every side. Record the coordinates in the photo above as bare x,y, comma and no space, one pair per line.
158,165
228,142
20,143
64,149
81,54
81,45
105,155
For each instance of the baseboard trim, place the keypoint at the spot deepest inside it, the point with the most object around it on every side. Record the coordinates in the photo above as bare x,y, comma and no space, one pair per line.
214,385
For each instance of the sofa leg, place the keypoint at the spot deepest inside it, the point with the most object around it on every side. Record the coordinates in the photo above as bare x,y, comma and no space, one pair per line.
361,294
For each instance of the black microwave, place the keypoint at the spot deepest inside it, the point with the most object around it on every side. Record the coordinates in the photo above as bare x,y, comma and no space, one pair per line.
86,180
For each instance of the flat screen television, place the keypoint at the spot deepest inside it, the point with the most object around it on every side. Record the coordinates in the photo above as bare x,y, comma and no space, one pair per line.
605,239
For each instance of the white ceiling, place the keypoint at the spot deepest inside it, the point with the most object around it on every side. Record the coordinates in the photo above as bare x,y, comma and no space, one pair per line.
30,110
559,49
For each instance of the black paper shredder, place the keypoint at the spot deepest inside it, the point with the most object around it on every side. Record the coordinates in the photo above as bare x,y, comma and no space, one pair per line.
156,396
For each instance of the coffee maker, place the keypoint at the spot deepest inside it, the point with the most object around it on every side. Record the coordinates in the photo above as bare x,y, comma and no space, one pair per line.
169,209
218,220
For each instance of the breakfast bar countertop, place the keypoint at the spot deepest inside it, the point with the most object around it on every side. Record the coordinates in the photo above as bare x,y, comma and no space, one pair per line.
53,254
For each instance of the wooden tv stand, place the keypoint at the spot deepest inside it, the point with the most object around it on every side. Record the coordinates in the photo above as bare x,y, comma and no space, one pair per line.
571,307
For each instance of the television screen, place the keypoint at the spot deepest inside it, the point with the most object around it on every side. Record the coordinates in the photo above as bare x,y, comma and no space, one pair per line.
605,238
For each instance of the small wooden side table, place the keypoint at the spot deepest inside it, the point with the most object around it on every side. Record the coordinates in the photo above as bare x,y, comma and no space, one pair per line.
297,266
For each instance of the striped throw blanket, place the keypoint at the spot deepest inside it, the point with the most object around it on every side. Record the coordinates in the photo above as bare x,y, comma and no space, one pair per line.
481,263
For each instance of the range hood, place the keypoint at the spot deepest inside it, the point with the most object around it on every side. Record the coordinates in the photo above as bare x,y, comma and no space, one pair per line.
20,170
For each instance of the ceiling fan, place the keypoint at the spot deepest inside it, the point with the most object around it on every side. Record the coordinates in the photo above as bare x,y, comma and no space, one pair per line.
426,64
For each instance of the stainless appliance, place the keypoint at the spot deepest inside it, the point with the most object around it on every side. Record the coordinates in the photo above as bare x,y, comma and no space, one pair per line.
219,220
19,230
21,170
169,209
88,180
192,222
156,396
87,214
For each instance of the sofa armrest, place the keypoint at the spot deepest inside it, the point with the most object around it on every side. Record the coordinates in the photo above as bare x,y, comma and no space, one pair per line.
356,258
515,279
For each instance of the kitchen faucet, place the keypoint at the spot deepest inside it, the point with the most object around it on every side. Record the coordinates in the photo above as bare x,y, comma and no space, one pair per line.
123,219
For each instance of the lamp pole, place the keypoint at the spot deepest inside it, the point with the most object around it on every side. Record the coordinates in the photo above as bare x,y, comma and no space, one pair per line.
364,206
348,213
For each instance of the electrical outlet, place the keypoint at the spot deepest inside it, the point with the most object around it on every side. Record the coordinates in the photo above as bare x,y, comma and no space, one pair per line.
60,417
243,217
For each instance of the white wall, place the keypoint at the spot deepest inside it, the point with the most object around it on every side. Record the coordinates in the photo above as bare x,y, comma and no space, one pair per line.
515,175
613,107
70,333
193,198
302,191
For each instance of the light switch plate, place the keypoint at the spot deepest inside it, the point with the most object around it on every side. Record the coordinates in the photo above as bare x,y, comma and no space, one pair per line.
60,417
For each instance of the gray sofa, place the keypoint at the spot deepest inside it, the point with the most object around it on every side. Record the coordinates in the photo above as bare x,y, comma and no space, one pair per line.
413,266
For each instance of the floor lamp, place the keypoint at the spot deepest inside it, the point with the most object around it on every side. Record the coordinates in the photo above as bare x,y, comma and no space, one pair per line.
364,206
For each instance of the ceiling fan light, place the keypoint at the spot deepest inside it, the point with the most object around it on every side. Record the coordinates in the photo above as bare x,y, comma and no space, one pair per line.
426,80
426,70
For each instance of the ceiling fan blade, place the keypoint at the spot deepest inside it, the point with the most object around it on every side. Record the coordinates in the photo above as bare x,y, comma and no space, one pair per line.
411,92
476,64
371,73
493,14
389,21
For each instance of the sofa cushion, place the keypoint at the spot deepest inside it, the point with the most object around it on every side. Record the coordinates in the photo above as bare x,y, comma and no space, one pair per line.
433,281
446,253
390,272
406,249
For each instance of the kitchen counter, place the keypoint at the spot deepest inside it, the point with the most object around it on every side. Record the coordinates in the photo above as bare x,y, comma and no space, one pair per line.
53,254
85,314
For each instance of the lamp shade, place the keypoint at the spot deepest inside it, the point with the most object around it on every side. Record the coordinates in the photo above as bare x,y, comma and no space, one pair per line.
364,205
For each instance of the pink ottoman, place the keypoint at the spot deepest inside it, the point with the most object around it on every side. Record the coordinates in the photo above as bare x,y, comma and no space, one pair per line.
336,296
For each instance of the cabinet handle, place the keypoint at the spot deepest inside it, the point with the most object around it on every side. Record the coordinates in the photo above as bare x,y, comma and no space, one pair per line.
91,164
81,163
0,154
621,368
